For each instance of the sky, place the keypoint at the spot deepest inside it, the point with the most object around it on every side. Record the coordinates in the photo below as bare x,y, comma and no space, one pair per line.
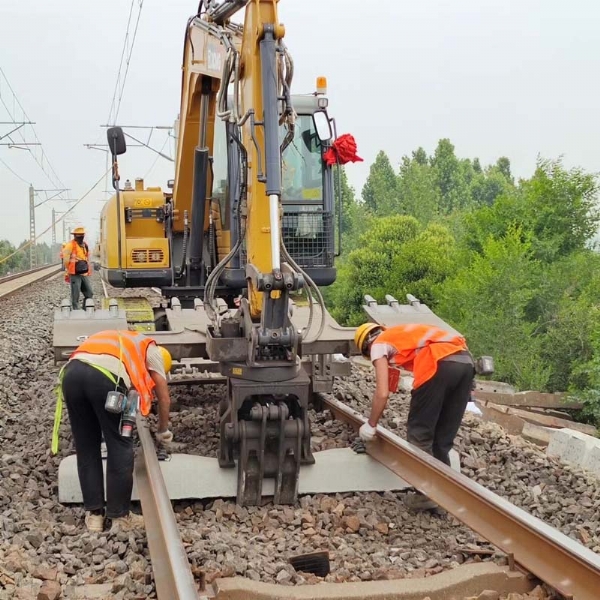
516,78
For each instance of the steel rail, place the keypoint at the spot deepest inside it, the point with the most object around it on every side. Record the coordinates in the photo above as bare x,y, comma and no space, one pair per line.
172,572
554,558
24,273
45,272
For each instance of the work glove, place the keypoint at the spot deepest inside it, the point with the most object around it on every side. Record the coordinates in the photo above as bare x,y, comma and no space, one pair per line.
367,433
165,437
67,279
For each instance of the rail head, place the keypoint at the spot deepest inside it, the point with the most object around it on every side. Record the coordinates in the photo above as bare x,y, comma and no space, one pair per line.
172,572
569,567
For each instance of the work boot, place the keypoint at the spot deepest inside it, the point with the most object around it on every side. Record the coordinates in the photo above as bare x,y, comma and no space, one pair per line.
127,523
94,522
419,502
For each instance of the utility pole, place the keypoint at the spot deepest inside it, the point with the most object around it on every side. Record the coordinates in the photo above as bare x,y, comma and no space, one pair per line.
53,229
32,207
32,252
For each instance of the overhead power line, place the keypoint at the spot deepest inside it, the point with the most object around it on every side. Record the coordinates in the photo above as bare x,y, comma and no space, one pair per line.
64,215
126,54
22,121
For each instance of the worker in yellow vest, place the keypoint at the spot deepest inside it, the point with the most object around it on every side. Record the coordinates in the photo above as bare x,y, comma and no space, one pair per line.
76,260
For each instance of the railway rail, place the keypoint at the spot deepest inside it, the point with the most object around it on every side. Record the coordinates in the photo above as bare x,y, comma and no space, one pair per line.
17,281
530,544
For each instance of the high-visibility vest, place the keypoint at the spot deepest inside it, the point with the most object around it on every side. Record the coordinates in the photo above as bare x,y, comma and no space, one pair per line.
76,252
130,348
420,347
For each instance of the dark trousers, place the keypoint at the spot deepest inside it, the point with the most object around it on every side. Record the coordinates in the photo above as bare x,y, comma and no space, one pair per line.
80,284
84,390
437,408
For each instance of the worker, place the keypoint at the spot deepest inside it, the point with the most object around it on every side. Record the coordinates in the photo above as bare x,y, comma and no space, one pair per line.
76,260
105,362
443,370
61,256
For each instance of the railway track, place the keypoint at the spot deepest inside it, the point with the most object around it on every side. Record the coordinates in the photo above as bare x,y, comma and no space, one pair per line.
530,544
17,281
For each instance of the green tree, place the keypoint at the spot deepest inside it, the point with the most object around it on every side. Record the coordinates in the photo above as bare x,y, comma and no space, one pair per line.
556,209
451,177
487,301
380,192
417,189
395,256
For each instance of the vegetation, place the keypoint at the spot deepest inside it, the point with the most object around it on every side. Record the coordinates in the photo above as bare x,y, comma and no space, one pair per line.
20,261
511,264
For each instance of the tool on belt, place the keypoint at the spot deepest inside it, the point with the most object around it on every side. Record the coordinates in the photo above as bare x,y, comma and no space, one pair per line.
125,405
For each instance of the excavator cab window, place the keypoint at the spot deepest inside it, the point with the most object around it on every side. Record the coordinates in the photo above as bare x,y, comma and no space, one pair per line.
307,220
220,187
302,165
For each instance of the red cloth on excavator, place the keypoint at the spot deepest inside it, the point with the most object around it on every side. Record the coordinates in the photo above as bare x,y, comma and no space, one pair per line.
342,151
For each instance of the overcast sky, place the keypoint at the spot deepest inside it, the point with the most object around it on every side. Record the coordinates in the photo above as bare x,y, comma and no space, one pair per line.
498,77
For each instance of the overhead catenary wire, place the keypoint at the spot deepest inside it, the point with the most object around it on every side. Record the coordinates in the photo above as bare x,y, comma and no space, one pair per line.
119,88
49,170
13,171
126,54
61,218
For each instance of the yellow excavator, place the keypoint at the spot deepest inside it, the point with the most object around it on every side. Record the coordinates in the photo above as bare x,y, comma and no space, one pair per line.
246,228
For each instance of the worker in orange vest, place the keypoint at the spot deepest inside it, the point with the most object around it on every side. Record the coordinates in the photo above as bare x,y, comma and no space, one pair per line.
108,362
443,370
61,256
76,260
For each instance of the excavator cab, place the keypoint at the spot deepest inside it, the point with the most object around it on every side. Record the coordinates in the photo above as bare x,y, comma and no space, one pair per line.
307,199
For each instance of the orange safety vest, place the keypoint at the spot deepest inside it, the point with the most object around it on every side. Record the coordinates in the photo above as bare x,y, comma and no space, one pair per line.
420,347
131,348
77,253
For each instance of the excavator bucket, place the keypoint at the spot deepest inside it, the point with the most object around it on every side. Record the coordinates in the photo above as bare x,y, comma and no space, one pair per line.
393,313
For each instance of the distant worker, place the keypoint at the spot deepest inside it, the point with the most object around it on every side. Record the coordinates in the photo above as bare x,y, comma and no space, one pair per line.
443,370
76,260
107,362
61,255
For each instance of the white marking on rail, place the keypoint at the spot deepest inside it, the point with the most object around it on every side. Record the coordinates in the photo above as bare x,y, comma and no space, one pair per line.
104,288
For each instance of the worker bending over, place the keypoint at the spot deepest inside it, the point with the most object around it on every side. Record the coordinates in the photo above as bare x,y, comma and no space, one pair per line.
105,363
76,260
443,370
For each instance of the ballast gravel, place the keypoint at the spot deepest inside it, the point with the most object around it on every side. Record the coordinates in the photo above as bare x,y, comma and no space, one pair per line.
46,553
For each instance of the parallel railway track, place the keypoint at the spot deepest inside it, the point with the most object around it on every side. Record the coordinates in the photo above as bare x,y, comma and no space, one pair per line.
17,281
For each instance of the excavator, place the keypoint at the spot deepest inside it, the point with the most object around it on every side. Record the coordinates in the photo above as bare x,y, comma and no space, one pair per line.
239,245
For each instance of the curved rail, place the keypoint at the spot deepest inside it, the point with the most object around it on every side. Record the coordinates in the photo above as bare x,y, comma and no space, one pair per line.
17,281
554,558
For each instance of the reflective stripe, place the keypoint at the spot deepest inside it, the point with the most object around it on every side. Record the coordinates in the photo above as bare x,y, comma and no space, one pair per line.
419,347
131,349
130,364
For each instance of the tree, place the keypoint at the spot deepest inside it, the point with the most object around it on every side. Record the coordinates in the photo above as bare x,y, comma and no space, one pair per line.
419,195
395,256
380,193
450,178
487,301
556,209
